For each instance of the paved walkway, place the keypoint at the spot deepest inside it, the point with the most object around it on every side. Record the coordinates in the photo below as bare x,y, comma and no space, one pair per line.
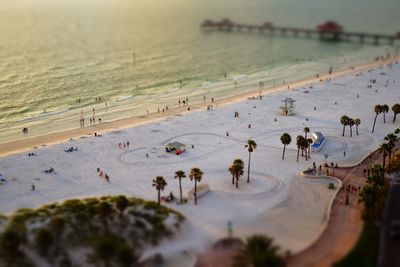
340,236
345,224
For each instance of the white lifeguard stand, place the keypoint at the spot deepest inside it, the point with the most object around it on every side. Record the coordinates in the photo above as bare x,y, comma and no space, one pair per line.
288,107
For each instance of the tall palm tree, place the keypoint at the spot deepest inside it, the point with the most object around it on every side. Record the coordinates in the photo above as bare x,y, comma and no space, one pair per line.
344,121
57,225
305,146
286,140
384,149
385,109
396,110
195,174
377,110
231,169
104,210
44,240
251,146
391,141
180,175
159,183
127,256
357,122
105,250
10,245
351,124
306,130
122,203
258,251
237,170
300,143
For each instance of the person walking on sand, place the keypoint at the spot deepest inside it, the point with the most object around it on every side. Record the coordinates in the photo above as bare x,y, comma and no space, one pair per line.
127,144
107,178
33,188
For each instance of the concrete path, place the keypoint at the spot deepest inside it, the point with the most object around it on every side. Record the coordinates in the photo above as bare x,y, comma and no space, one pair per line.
345,224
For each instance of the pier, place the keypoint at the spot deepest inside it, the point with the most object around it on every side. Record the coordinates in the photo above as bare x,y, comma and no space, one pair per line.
329,31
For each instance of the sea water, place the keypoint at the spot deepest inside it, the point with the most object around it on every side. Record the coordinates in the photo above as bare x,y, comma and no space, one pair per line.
60,59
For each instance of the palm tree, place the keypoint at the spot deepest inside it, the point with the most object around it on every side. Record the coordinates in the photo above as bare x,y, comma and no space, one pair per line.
344,120
378,110
251,146
306,130
57,224
357,122
385,109
122,203
384,149
396,110
300,143
105,250
127,256
259,251
351,124
286,140
180,175
10,245
159,183
305,146
391,139
231,169
195,174
237,170
104,210
44,240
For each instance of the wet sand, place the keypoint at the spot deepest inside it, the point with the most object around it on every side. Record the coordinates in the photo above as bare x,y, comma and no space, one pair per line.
29,143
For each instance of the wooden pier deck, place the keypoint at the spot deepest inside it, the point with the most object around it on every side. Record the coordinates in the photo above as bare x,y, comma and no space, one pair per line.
330,31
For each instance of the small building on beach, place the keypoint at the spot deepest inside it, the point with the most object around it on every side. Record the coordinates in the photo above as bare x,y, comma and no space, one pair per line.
288,107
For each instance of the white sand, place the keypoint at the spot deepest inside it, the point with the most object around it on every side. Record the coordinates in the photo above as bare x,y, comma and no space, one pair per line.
277,202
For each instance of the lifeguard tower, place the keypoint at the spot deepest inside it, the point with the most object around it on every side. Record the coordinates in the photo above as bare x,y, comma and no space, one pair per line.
288,107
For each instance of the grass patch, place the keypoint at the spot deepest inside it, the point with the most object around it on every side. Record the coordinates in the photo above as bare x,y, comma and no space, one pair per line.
109,229
365,252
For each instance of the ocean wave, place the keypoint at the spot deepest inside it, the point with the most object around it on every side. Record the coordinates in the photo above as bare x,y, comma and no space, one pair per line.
8,78
124,98
43,115
239,77
206,83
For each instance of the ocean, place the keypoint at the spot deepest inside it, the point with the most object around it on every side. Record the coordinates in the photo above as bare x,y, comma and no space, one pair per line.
62,59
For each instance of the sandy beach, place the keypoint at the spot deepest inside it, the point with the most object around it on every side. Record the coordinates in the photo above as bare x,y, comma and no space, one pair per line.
277,202
27,143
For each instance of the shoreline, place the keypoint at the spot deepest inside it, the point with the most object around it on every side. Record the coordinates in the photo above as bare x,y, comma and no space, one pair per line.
30,143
